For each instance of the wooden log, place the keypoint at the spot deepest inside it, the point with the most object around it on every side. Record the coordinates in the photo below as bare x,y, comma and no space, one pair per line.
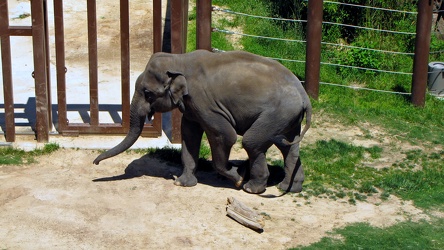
244,215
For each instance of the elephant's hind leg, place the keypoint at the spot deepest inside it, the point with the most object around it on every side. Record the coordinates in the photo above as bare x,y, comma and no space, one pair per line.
294,172
256,142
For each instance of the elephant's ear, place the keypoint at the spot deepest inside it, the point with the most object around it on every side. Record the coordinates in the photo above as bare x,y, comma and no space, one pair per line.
178,88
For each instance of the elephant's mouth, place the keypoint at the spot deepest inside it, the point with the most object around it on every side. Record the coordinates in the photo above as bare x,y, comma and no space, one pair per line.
150,114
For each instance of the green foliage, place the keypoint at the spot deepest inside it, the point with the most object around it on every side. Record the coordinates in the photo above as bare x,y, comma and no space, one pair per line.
360,58
14,156
337,170
47,149
338,165
404,235
205,151
424,185
335,167
335,34
264,28
9,155
173,155
389,111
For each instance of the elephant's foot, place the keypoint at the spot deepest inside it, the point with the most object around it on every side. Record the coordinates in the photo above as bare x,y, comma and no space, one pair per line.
254,187
242,172
233,175
186,181
296,186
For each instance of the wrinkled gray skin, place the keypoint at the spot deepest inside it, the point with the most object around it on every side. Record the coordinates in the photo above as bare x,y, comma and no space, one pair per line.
225,95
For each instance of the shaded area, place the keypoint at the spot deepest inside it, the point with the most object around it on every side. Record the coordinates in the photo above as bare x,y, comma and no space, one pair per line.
149,165
28,115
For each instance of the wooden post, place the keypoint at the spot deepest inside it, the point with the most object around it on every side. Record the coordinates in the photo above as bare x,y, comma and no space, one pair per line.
40,73
422,49
93,62
125,62
7,72
179,20
48,63
203,24
177,26
157,26
313,49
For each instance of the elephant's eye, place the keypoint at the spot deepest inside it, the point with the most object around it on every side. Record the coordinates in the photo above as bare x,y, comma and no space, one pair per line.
149,96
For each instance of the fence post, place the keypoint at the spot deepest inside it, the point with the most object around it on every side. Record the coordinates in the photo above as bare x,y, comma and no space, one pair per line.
203,24
157,26
40,72
313,49
179,21
7,72
422,49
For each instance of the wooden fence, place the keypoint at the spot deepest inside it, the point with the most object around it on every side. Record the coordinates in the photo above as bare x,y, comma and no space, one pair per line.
178,26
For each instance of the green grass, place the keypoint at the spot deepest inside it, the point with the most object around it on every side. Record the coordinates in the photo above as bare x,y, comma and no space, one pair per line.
404,235
337,170
14,156
334,167
392,112
173,155
424,186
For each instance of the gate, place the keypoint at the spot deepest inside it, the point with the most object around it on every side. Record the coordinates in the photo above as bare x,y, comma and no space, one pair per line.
41,57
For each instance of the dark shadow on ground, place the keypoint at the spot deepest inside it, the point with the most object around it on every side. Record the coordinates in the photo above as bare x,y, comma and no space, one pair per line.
27,117
155,167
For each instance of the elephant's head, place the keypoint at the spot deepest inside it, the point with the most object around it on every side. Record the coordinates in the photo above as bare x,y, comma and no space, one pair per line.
160,88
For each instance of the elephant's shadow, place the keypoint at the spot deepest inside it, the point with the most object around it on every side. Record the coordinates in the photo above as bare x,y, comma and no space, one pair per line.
149,165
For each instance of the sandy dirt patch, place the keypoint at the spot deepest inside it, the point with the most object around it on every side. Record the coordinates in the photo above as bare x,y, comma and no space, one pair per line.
130,201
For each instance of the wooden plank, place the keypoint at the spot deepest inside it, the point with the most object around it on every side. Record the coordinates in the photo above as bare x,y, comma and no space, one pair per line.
20,31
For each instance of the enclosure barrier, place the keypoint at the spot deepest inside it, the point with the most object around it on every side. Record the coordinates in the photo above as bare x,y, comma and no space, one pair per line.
41,70
313,46
179,11
40,39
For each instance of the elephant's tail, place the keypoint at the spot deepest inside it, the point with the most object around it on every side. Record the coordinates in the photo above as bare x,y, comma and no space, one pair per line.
308,112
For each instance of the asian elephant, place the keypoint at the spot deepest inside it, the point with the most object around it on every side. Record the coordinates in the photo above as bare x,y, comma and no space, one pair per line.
225,95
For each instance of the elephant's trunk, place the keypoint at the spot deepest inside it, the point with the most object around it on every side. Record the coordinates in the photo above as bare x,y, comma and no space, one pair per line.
136,126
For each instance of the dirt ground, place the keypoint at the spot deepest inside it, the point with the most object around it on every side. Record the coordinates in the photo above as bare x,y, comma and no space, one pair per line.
130,202
63,201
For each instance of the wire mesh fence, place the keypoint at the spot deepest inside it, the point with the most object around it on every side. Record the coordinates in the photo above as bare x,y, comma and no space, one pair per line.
384,53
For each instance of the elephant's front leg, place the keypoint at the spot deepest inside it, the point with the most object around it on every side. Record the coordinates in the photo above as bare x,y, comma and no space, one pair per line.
191,139
221,140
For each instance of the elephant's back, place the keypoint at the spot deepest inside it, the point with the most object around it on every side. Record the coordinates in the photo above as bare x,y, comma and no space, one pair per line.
246,72
244,78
